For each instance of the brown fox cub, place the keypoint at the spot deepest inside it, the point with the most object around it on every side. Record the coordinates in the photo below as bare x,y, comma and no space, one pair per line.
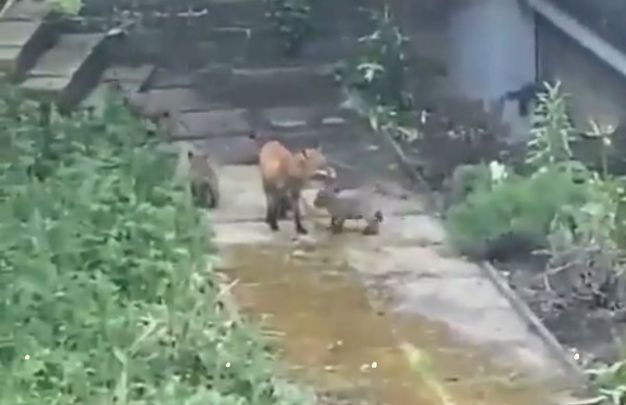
348,204
284,175
204,181
197,167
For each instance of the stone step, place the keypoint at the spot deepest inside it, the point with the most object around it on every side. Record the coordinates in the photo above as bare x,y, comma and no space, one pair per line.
241,150
68,71
27,10
257,87
338,17
227,122
239,46
130,78
269,87
154,102
217,9
22,42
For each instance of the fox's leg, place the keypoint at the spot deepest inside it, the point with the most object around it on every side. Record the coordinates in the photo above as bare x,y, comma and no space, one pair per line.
297,215
271,197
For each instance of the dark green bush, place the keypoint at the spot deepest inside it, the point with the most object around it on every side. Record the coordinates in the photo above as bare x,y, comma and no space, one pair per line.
106,293
523,207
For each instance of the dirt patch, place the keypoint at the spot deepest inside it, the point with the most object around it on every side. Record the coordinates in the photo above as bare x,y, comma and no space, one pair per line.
590,331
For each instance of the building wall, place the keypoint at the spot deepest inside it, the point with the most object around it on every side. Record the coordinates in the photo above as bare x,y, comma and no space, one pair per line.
492,48
596,90
492,51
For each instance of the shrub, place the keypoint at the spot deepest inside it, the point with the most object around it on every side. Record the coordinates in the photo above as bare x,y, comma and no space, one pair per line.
522,207
106,293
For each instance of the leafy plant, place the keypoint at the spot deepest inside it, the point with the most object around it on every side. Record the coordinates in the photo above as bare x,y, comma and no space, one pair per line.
292,22
611,383
106,290
378,71
518,206
552,131
72,7
465,180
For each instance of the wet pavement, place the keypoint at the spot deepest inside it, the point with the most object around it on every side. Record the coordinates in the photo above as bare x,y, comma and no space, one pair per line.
349,312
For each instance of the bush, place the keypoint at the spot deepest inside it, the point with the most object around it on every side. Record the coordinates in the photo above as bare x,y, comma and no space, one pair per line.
106,293
518,207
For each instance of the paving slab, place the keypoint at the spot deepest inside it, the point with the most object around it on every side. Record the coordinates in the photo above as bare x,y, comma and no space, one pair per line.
67,56
176,99
131,78
409,262
17,33
164,78
214,123
21,42
8,57
272,87
26,9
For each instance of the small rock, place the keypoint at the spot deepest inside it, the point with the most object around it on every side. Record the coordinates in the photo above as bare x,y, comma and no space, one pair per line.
335,345
306,243
333,121
288,124
298,254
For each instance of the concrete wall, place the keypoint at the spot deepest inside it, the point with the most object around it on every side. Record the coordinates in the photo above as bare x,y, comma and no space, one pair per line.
597,91
492,48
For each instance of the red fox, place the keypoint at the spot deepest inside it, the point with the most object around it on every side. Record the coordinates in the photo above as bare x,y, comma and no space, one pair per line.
284,175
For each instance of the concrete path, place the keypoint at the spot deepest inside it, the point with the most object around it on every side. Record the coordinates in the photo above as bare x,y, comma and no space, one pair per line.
409,267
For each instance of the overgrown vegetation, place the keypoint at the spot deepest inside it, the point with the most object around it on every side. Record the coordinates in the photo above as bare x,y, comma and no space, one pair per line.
575,212
377,73
67,6
374,80
558,203
292,22
107,293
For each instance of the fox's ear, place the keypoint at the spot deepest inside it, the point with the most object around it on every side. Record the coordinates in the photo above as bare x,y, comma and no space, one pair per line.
305,153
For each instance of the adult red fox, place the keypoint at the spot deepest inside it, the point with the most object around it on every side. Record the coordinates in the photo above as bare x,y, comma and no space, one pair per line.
284,175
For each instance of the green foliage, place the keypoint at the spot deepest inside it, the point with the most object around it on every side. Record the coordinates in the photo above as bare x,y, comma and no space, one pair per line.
106,290
292,22
465,180
552,131
611,383
524,206
378,72
72,7
561,204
